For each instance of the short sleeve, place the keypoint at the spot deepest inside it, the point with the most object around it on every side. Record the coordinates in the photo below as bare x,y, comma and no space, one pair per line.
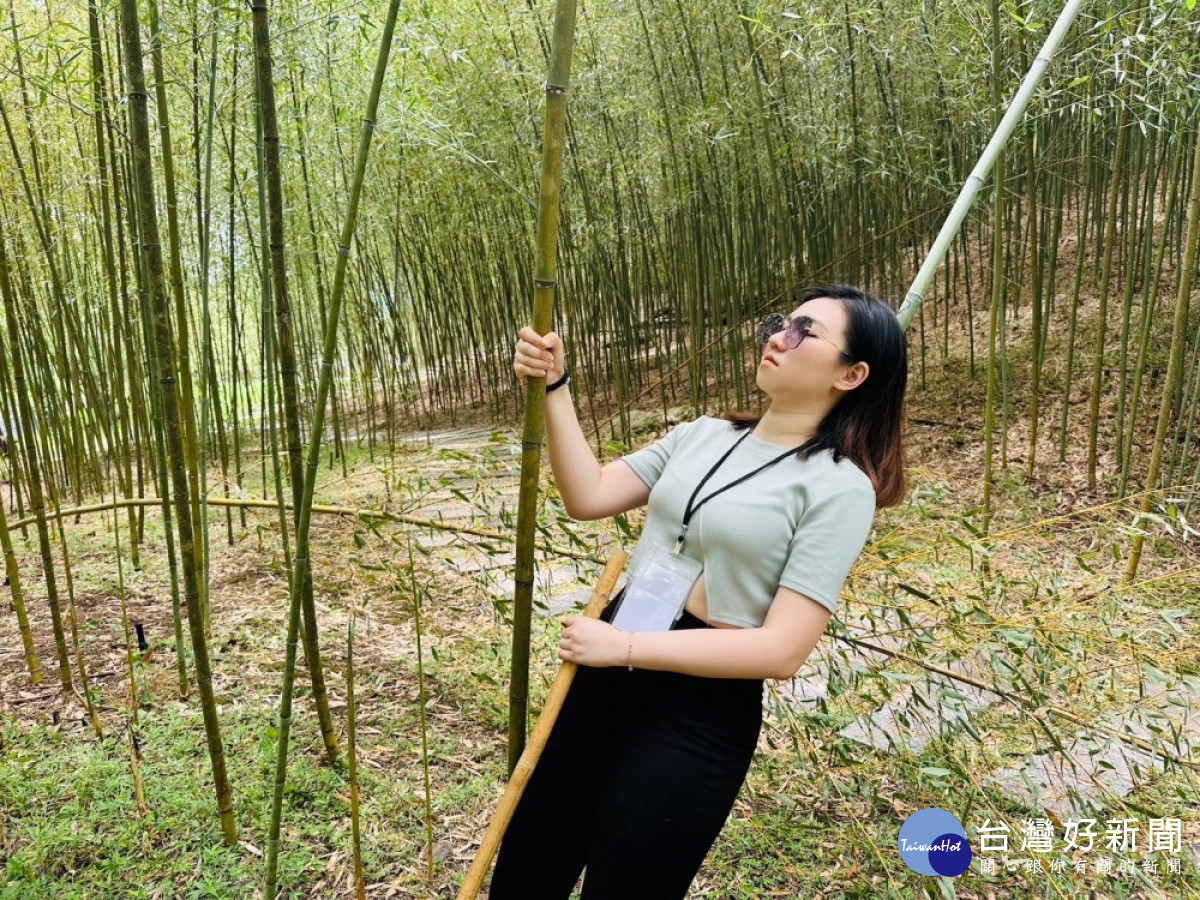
826,543
649,462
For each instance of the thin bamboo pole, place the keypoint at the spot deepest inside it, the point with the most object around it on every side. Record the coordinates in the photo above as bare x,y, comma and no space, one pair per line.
284,313
537,741
204,207
27,444
231,280
161,468
135,748
423,702
152,249
318,266
302,569
1110,231
1037,301
545,286
18,600
99,101
995,311
1176,361
180,347
360,890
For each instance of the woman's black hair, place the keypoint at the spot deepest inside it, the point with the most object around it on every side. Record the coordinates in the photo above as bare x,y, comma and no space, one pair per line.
865,425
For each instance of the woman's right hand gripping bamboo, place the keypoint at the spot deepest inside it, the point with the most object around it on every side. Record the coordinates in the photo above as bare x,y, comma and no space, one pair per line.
539,356
588,490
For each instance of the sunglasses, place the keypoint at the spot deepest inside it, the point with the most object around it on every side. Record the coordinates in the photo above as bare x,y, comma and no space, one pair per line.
795,331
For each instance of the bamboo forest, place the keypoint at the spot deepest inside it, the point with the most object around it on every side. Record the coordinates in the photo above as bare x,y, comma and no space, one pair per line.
287,566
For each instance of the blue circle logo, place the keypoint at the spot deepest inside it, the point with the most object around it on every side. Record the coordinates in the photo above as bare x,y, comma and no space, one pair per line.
933,842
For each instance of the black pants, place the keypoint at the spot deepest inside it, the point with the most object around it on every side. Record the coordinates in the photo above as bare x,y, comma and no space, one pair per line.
635,782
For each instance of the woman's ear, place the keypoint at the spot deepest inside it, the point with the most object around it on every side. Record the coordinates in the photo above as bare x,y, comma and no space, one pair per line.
853,376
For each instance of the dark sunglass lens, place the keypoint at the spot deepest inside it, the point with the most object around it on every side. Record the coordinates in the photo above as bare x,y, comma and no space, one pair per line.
767,327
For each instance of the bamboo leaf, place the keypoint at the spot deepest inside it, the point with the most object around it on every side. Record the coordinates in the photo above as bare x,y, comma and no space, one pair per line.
901,676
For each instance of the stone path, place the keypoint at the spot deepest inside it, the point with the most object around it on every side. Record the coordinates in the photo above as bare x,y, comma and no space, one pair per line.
1096,767
932,708
557,582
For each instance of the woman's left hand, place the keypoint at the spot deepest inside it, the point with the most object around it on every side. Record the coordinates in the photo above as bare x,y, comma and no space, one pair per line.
592,642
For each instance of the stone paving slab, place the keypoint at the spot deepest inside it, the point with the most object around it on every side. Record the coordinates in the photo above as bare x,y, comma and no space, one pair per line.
477,562
804,692
922,712
449,511
569,602
435,538
883,629
1097,768
546,578
457,438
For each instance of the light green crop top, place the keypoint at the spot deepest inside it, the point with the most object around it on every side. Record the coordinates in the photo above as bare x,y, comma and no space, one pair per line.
800,524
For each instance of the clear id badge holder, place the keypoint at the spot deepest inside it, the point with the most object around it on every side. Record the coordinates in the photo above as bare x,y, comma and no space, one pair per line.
656,592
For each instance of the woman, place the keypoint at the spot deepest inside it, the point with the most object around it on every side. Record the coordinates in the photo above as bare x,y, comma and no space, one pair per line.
656,735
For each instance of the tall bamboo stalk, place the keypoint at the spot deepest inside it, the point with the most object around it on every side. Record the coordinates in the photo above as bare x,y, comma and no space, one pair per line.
995,313
204,205
1036,301
264,79
423,703
1110,226
135,748
545,287
28,447
18,596
302,567
270,351
360,888
180,337
318,263
231,282
162,466
99,101
152,251
1175,366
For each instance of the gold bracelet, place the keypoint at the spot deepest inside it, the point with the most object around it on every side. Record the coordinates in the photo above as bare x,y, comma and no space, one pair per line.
629,657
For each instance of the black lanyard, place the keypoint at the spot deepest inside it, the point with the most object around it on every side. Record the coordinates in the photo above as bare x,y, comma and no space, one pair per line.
690,510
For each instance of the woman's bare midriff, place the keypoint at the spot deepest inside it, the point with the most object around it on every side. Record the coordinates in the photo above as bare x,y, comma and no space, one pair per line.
697,604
